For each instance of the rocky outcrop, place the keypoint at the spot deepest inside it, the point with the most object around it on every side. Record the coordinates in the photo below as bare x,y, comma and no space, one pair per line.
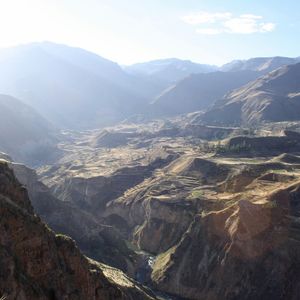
164,224
247,251
154,215
37,264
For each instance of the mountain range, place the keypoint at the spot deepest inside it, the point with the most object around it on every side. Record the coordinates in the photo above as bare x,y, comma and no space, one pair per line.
54,87
200,91
76,89
162,180
70,87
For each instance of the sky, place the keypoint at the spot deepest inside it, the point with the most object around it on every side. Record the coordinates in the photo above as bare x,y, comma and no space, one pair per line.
131,31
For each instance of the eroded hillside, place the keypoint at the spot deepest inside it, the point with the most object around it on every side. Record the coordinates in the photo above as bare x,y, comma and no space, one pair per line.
210,212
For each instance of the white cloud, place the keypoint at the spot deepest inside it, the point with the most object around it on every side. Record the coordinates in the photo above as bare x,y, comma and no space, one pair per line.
267,27
247,24
204,17
227,23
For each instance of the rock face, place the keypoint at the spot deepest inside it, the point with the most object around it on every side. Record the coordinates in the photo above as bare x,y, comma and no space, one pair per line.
156,213
37,264
154,224
273,98
248,251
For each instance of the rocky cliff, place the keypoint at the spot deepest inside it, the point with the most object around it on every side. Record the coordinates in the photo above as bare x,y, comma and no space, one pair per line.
249,250
37,264
96,240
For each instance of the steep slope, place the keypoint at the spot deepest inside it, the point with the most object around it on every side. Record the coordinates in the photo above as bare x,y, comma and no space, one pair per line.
263,65
247,251
24,134
199,91
37,264
273,97
169,70
96,240
70,87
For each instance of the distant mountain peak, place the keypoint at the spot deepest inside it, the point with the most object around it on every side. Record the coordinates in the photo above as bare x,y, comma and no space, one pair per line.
169,69
259,64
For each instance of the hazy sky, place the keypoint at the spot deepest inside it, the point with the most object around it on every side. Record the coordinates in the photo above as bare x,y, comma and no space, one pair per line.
128,31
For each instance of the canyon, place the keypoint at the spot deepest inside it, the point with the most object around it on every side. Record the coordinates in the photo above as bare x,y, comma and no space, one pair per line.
187,189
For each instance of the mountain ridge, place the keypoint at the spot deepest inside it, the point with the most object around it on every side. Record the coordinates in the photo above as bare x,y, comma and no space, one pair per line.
272,98
198,92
